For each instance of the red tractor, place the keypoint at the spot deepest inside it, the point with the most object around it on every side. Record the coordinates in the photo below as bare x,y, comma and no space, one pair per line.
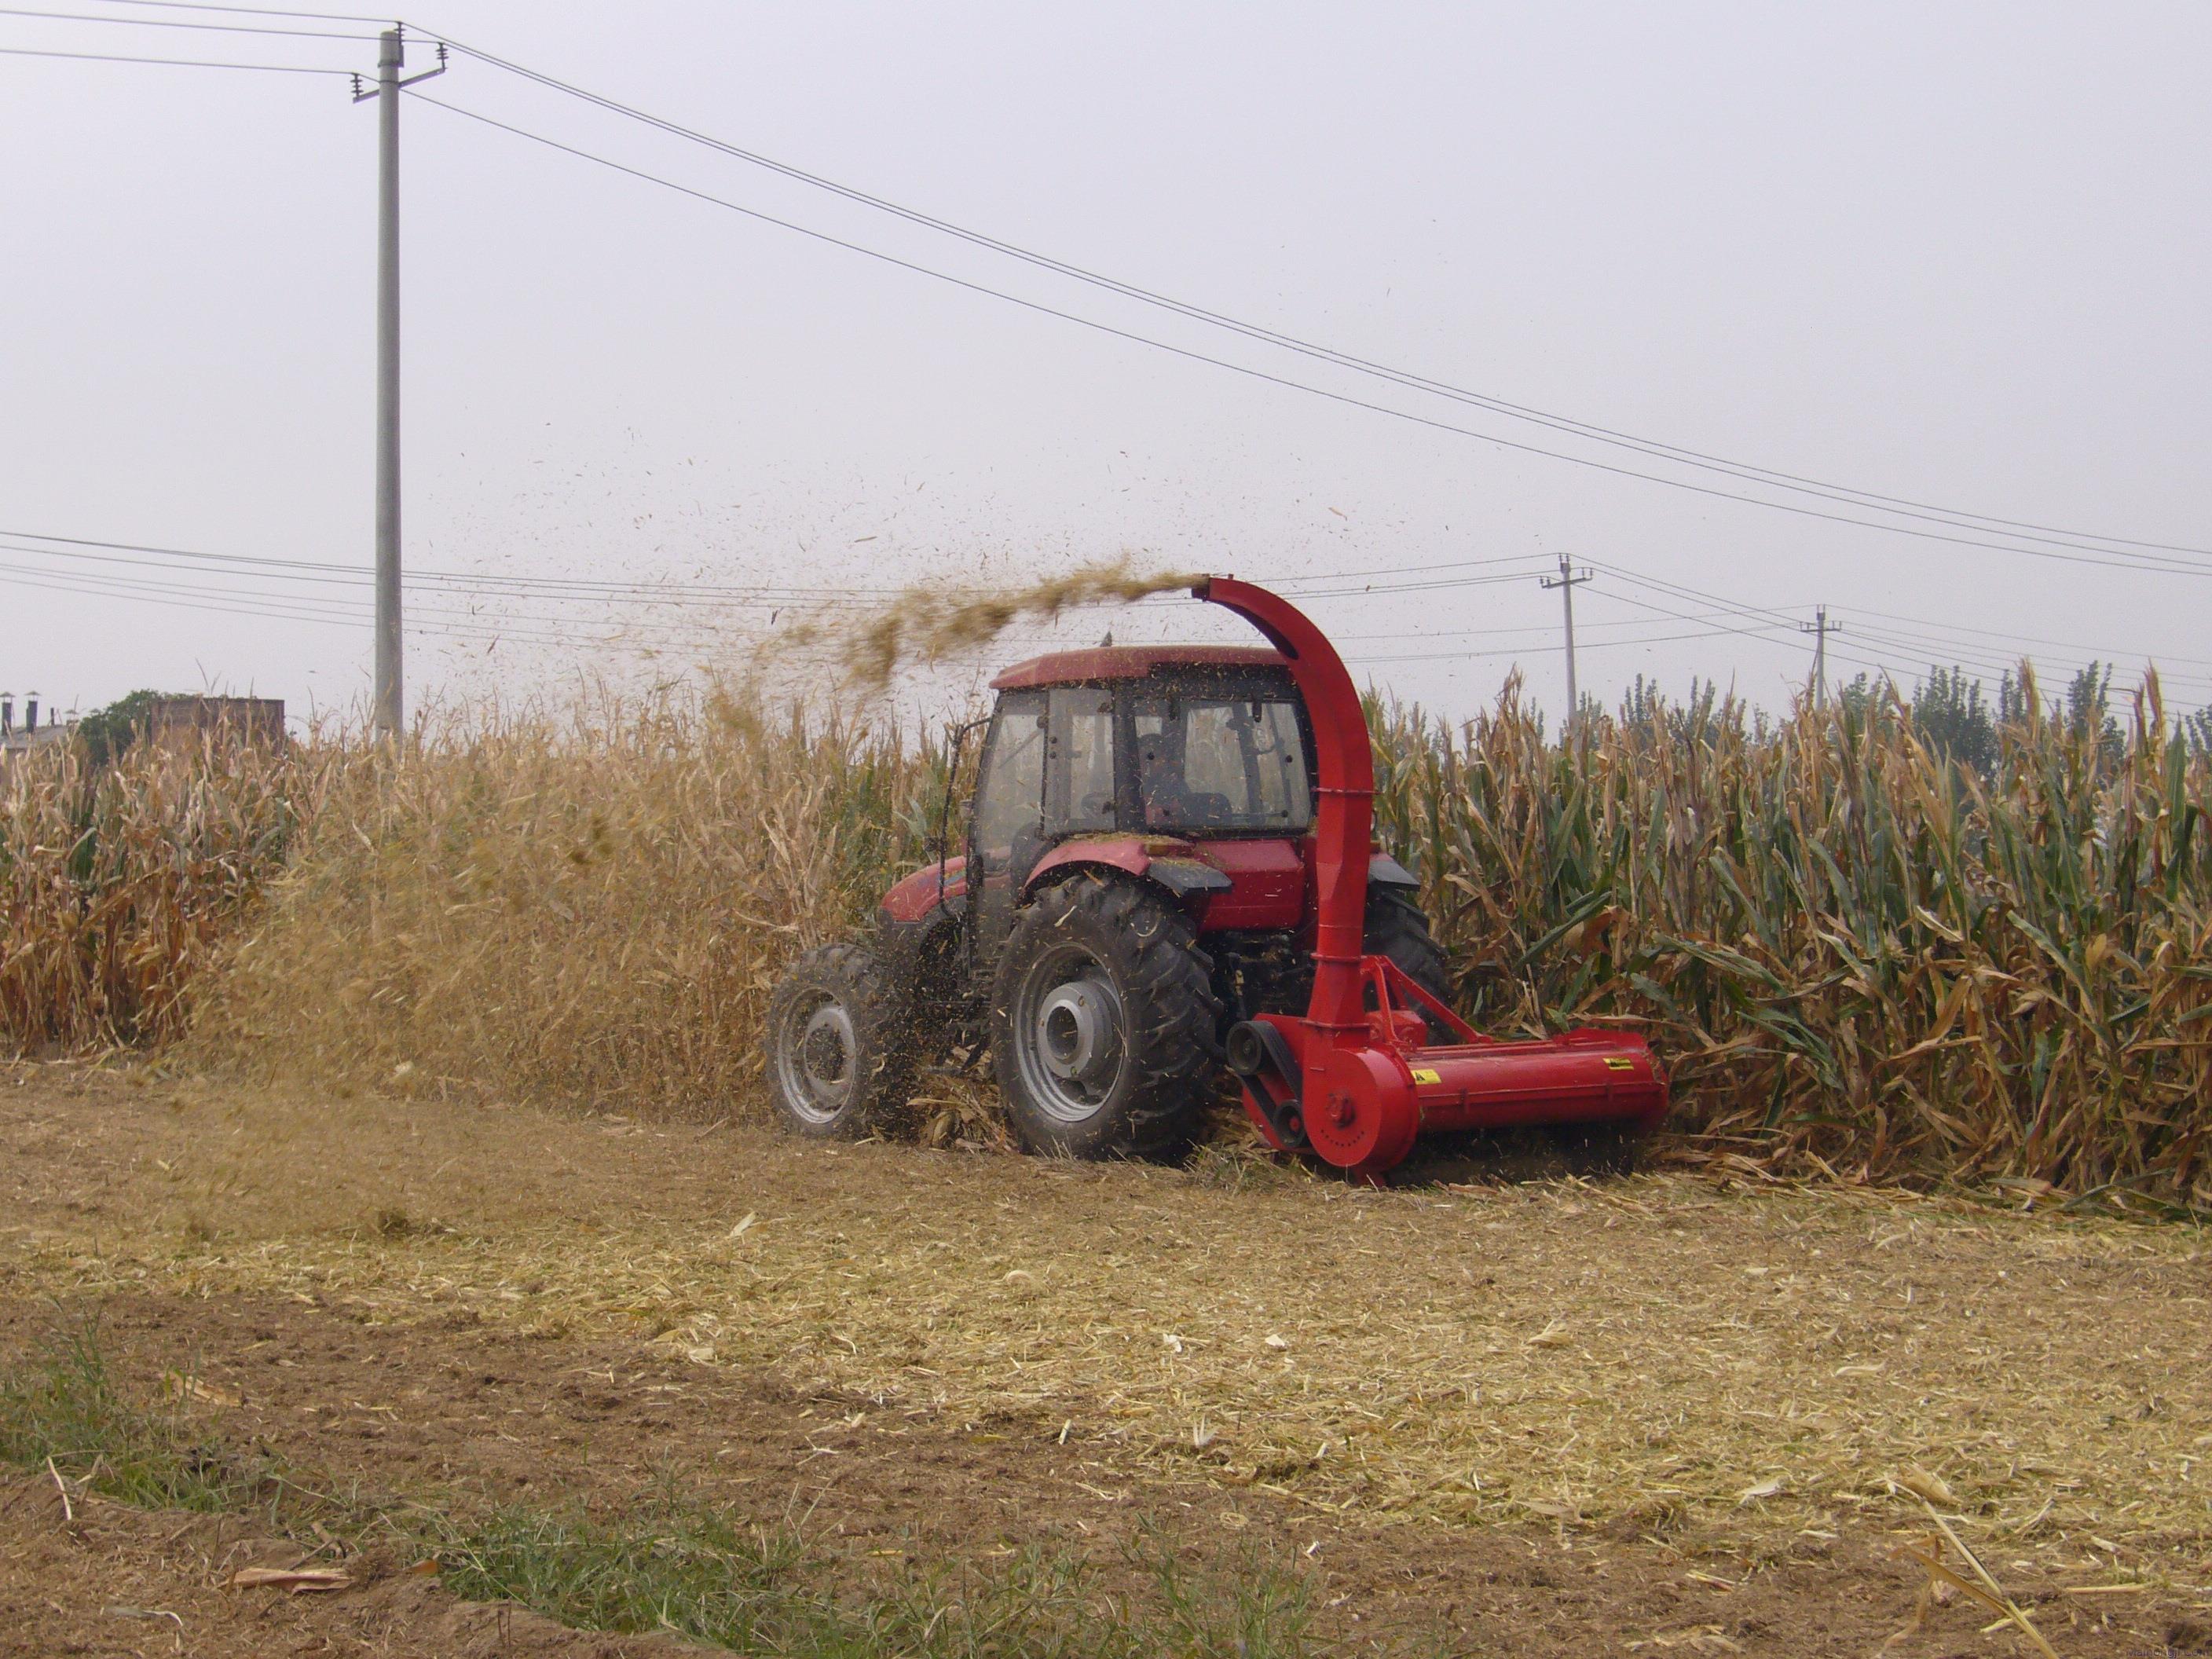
1169,867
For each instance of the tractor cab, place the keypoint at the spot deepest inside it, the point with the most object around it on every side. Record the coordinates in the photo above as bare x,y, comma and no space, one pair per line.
1136,740
1190,769
1125,757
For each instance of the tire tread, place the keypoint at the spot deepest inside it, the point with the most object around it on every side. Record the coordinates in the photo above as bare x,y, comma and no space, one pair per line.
1167,980
883,1020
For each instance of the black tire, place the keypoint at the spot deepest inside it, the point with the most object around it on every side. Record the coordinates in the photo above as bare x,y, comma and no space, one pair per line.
1397,927
1103,1021
840,1049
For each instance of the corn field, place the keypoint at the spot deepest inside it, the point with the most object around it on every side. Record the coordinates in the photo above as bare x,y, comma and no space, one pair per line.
590,910
1855,955
120,883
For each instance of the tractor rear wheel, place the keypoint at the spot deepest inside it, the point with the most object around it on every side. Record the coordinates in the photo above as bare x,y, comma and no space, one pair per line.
841,1052
1102,1023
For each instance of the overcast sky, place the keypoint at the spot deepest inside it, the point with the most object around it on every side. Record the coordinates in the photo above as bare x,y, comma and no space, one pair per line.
1957,254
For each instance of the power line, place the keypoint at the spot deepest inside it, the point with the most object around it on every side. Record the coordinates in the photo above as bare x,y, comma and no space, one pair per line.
1750,612
214,604
492,631
673,592
2129,562
1748,471
179,23
1950,646
1382,591
1764,621
314,608
1900,505
533,631
2029,639
258,11
691,592
179,552
1508,651
1937,652
2107,557
470,623
312,570
563,633
1417,570
175,63
1541,630
292,606
355,578
1933,639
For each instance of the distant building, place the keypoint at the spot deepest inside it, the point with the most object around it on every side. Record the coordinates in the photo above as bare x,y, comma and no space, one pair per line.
254,720
18,737
182,721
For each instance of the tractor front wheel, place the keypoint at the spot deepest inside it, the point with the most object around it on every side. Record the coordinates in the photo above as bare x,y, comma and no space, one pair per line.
839,1046
1102,1023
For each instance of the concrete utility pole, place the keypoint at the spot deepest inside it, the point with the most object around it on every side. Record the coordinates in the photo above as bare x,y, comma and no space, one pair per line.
1566,581
389,712
1820,627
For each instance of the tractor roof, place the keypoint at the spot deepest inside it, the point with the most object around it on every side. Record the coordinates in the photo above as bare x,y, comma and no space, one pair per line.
1131,662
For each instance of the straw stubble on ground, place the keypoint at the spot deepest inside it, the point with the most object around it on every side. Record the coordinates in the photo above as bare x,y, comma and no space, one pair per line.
1736,1372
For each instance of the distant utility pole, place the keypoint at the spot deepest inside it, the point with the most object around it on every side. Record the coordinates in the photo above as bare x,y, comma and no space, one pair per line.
1820,627
1566,581
388,712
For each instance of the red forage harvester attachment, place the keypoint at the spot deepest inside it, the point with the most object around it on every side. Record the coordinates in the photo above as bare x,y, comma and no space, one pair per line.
1356,1079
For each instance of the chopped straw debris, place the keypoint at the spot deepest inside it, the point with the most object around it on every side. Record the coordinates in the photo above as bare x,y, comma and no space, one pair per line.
928,624
1661,1354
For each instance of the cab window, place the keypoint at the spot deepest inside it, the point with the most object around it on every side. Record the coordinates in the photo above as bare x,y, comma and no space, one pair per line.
1010,796
1221,762
1080,772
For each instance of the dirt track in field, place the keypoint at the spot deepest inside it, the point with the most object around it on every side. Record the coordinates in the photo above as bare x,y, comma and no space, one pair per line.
1553,1419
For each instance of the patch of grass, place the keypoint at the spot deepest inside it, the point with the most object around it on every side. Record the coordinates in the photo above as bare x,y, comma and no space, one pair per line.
675,1563
63,1407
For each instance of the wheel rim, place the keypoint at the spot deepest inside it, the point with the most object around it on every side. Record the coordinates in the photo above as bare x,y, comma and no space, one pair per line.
816,1058
1069,1034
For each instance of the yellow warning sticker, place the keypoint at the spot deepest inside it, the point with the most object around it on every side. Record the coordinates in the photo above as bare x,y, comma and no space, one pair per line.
1613,1063
1422,1076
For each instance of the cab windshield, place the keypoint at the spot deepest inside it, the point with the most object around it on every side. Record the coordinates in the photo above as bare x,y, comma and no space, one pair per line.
1221,762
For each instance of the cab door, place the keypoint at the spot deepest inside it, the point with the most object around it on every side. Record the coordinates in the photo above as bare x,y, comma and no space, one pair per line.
1005,835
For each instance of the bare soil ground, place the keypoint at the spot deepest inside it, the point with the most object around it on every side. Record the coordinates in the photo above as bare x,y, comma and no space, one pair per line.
1656,1414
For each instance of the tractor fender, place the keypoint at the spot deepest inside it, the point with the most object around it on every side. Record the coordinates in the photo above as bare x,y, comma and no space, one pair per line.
918,931
919,898
1147,857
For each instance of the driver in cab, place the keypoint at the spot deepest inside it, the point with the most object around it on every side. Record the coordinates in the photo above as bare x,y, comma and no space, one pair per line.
1166,796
